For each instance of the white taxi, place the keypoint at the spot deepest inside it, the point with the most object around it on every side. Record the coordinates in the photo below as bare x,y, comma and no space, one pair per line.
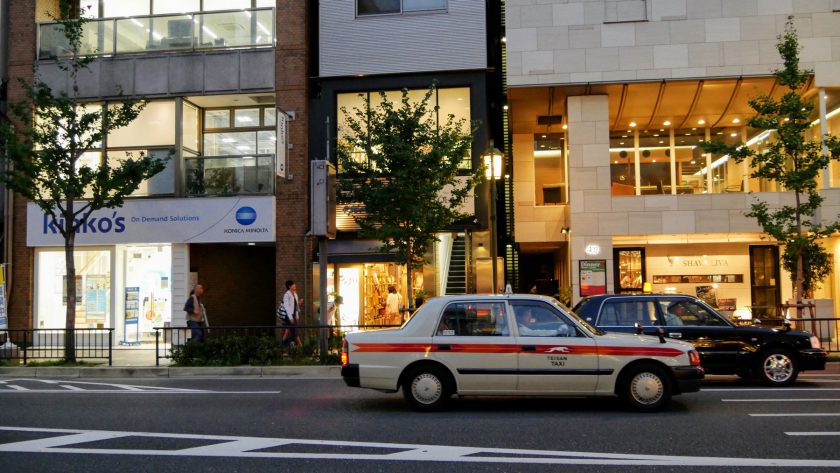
525,345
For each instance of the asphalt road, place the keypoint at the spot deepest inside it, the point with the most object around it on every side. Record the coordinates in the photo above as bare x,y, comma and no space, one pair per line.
275,424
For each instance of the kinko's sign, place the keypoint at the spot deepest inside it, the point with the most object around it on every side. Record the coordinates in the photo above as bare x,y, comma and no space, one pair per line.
210,220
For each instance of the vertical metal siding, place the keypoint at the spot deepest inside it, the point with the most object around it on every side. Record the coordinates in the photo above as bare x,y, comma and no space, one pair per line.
429,41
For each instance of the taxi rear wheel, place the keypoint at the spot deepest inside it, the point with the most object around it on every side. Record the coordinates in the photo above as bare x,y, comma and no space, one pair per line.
645,388
427,388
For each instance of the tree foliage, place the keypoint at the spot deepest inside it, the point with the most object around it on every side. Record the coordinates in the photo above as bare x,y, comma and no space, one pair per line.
795,163
399,163
45,144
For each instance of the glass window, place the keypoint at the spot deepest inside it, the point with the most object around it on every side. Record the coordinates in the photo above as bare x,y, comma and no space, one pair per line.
266,142
377,7
549,169
682,312
155,126
162,183
176,6
452,103
215,5
473,319
269,117
93,289
230,144
246,117
89,8
627,313
217,119
420,5
534,319
121,8
622,163
630,269
189,127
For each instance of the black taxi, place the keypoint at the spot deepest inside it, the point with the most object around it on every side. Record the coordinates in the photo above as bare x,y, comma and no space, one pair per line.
775,356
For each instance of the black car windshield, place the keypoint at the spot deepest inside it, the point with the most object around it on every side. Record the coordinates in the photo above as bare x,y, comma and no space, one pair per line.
579,320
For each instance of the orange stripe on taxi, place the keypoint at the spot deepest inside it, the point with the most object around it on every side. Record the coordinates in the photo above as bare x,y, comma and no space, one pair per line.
508,348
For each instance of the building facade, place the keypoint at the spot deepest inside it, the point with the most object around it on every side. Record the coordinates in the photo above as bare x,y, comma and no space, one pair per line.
367,47
226,84
608,101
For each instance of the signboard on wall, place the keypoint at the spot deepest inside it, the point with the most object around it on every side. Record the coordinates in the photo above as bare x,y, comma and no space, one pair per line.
282,142
208,220
593,277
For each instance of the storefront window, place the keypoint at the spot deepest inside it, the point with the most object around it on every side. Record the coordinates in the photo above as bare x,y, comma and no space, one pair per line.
147,290
629,269
549,169
93,289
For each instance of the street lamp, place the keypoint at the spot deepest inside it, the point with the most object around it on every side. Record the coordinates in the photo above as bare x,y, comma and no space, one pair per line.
493,172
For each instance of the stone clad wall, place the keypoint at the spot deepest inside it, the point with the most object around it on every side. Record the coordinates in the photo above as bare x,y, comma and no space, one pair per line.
561,42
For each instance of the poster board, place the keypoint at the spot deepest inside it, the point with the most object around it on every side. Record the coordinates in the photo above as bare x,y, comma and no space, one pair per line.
593,277
132,314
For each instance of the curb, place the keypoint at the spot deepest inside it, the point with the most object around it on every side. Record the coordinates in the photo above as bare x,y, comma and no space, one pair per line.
173,372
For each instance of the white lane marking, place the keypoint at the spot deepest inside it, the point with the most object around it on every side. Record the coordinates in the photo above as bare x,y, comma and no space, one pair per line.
803,434
15,387
242,447
108,391
70,387
782,400
120,387
780,390
799,414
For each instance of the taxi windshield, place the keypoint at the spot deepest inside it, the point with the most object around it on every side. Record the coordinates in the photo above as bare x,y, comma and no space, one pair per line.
579,320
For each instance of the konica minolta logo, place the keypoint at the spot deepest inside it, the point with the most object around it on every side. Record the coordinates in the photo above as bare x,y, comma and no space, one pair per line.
246,216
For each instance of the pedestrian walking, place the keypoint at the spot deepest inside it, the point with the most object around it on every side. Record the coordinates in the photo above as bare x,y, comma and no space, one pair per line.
291,305
196,314
393,304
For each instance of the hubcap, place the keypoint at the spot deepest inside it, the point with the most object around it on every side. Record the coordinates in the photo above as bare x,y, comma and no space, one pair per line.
647,388
426,388
778,367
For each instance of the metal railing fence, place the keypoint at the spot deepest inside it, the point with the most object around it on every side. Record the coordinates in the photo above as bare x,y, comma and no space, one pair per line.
178,341
25,345
826,329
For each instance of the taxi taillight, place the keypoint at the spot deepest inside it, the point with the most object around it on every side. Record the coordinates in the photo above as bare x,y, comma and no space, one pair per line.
345,357
694,358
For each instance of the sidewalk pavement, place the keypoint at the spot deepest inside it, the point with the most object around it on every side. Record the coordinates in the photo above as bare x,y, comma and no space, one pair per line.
332,371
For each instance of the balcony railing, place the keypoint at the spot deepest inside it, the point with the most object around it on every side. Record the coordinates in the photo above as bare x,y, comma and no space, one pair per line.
184,32
229,175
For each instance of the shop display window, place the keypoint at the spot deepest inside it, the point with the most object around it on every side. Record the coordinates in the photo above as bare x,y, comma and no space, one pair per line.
147,290
630,269
93,289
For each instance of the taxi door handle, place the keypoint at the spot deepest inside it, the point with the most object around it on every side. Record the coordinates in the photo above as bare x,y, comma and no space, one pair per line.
529,348
444,347
675,335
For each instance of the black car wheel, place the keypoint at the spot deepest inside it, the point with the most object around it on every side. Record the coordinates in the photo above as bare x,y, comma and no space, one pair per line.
778,367
427,388
645,388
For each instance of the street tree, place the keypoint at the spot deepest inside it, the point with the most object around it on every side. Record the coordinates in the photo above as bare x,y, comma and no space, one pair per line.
44,142
795,163
398,170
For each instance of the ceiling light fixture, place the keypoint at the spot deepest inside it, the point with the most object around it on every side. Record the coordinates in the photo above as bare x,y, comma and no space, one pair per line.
667,123
736,120
632,124
701,122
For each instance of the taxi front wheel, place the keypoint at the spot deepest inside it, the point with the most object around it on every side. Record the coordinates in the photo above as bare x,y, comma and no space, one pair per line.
427,388
645,388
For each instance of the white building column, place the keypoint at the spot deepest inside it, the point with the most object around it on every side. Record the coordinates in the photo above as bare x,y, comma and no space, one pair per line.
589,186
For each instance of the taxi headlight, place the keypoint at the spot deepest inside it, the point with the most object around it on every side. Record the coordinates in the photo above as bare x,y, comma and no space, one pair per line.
815,342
